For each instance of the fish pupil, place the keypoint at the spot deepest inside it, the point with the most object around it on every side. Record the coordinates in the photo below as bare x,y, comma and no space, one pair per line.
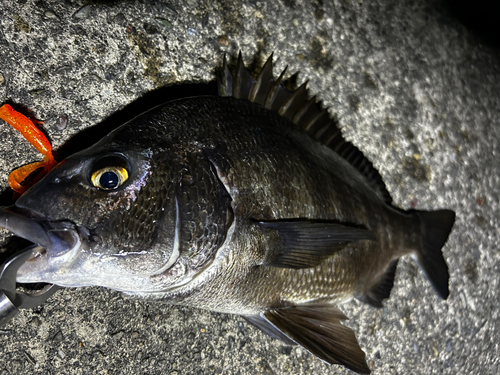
109,180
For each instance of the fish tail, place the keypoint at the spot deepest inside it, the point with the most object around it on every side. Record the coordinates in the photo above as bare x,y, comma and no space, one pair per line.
435,229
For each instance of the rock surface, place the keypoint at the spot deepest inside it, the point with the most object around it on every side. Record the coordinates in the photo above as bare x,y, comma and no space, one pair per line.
414,89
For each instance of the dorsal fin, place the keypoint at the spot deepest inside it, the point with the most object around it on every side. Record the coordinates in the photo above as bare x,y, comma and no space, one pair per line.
297,107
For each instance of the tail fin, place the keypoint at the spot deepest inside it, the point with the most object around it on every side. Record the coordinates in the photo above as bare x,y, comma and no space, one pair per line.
436,227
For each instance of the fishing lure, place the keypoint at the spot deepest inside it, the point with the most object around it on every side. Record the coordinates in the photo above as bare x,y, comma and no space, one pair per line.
22,178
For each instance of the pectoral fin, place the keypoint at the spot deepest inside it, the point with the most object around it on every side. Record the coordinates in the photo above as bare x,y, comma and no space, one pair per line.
318,329
304,243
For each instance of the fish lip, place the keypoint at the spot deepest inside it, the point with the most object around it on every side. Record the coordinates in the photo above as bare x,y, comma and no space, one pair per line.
59,238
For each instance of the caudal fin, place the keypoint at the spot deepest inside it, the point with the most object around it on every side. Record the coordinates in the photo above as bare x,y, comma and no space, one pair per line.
436,227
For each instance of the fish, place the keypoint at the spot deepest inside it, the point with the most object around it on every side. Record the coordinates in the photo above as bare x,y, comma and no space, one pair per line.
250,202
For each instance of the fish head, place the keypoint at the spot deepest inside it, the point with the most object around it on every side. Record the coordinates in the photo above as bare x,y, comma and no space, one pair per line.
105,216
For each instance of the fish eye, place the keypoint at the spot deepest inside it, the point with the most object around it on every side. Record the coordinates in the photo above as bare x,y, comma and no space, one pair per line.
109,173
109,178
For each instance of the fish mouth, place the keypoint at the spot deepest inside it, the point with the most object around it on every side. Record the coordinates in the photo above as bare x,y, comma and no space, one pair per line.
59,239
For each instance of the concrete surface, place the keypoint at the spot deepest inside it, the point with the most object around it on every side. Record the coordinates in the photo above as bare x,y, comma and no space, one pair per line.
412,88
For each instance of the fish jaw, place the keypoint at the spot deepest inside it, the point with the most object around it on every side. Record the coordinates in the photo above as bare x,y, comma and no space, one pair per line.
60,239
85,268
70,256
85,263
60,242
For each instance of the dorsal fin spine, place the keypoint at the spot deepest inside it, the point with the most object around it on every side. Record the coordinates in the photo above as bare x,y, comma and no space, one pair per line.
264,79
303,112
335,138
321,131
329,133
350,153
287,109
332,137
316,122
273,93
237,79
243,83
357,160
224,83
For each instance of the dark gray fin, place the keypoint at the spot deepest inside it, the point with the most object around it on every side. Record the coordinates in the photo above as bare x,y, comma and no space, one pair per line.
243,82
294,103
435,228
264,324
264,83
304,243
382,289
225,80
318,329
305,113
276,96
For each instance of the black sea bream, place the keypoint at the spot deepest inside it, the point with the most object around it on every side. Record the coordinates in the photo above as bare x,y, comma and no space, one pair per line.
248,203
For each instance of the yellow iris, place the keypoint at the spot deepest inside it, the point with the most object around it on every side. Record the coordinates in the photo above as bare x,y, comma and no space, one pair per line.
109,178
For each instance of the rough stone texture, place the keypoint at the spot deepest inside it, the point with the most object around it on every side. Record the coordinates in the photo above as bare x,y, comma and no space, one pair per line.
411,87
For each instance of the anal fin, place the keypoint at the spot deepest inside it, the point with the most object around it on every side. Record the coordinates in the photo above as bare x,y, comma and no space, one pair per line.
382,289
317,328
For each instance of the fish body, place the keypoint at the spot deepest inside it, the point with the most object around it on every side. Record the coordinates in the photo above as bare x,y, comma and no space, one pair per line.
249,203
